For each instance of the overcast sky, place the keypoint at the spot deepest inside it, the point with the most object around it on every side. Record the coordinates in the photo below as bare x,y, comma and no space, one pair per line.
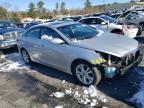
50,4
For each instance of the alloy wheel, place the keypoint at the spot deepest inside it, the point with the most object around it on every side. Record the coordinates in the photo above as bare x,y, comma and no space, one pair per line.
84,74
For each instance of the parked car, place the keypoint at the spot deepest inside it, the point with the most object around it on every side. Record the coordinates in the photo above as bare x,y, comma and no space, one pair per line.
8,34
29,25
80,50
76,18
132,17
115,15
109,24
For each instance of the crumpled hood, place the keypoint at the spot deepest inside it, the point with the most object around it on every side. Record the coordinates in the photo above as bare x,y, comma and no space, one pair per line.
109,43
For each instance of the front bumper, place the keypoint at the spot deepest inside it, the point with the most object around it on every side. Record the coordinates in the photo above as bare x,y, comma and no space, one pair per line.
134,63
7,44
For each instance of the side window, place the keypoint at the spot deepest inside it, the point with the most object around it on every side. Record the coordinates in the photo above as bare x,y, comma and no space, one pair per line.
94,21
34,33
98,21
132,15
49,32
86,21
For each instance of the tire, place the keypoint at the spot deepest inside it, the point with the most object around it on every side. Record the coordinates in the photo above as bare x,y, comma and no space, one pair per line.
25,56
94,73
117,32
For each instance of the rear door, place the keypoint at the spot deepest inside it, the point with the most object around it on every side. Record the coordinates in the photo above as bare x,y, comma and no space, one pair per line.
33,43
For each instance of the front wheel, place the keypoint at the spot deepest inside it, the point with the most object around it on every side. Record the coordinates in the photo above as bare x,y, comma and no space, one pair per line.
85,73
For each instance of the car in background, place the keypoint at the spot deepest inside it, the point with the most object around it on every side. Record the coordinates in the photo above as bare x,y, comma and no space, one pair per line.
76,18
108,24
8,34
33,23
115,15
58,20
80,50
132,17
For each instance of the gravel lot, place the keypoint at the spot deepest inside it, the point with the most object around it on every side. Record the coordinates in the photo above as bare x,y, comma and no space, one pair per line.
31,86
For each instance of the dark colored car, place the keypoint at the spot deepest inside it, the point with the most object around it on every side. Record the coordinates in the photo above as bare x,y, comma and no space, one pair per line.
8,34
29,25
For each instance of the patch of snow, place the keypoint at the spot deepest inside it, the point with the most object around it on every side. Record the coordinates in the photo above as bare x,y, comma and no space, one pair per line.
138,98
63,82
58,94
104,107
44,106
13,62
87,95
59,106
91,91
2,56
93,103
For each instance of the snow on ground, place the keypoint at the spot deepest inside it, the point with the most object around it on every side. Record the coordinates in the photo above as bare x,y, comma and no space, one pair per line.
138,98
88,95
13,62
59,106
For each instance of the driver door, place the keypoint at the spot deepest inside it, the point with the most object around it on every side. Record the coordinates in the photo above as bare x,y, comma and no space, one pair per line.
52,53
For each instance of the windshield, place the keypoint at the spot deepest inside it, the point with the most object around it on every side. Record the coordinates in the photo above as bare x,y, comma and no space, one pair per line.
108,18
124,14
78,31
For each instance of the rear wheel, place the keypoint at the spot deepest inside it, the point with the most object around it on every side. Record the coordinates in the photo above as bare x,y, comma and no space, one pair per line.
25,56
117,32
85,73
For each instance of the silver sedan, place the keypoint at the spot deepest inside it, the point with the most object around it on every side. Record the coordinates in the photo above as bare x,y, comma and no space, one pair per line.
79,50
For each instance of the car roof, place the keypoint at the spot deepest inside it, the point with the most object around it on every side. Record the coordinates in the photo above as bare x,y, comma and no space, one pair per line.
57,24
89,17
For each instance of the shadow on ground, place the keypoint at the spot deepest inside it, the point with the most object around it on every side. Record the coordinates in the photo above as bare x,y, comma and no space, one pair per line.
121,88
32,93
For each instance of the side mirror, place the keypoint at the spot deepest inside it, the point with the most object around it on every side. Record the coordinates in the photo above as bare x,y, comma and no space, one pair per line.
57,41
103,23
46,37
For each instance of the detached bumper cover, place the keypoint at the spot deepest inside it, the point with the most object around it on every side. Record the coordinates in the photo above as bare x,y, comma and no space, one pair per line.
7,44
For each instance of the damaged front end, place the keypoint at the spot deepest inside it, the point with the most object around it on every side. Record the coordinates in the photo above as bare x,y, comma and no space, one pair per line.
119,65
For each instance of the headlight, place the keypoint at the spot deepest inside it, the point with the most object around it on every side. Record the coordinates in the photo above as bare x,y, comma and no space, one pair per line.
1,37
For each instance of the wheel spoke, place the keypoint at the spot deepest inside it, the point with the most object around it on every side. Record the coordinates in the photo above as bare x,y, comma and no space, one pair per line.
84,80
89,78
82,67
78,72
87,69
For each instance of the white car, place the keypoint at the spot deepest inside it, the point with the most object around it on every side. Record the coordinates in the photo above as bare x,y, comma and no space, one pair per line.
109,24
